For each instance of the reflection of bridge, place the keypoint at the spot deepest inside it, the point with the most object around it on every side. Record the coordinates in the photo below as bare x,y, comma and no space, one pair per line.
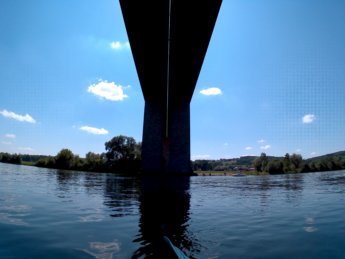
169,39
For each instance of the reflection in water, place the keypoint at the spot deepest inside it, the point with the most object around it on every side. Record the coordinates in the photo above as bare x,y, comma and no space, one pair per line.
66,214
121,195
164,210
310,225
291,185
67,180
100,250
332,179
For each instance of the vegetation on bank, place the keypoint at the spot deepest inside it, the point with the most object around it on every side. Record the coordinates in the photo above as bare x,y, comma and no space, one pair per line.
123,155
10,158
264,164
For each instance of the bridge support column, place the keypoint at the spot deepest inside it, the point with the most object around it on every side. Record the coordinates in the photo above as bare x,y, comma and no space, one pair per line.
166,150
169,40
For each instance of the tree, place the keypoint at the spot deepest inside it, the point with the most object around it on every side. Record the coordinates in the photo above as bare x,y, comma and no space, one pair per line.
10,158
261,163
286,163
64,159
275,166
123,154
121,147
48,162
93,161
296,162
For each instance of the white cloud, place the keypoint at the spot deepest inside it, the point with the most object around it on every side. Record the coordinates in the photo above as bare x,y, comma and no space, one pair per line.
115,45
6,142
109,91
22,118
265,147
298,150
211,91
308,118
248,148
26,149
261,141
119,45
201,157
93,130
10,136
313,153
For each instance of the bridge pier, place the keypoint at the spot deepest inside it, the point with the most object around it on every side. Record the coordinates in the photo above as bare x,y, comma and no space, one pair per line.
169,40
166,149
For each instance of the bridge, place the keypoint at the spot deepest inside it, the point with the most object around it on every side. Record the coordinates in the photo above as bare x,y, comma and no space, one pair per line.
169,40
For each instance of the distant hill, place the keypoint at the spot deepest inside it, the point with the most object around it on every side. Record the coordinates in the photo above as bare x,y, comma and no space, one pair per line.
243,163
319,158
333,161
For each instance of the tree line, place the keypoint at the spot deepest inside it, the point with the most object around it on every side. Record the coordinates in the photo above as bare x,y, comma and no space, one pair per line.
10,158
290,163
296,164
122,154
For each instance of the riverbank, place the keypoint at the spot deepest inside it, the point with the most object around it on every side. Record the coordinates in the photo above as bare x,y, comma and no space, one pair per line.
228,173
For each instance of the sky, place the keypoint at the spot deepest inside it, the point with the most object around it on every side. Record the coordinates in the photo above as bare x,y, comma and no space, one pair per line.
273,79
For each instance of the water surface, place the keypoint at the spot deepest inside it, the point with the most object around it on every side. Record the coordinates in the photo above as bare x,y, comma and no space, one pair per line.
47,213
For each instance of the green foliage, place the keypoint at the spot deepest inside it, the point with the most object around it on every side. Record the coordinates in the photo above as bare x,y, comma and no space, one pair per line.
260,164
64,159
122,147
275,166
94,162
48,162
202,165
296,163
286,163
123,154
233,164
10,158
325,163
31,158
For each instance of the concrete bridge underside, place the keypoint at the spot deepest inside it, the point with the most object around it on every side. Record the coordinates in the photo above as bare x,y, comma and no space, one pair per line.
169,40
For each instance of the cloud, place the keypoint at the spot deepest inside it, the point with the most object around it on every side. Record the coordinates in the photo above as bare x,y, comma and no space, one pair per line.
211,91
200,157
313,153
27,149
248,148
226,144
298,150
109,91
22,118
6,142
119,45
93,130
10,136
308,118
261,141
265,147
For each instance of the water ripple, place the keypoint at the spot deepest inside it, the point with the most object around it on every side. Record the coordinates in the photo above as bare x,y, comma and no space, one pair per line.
101,250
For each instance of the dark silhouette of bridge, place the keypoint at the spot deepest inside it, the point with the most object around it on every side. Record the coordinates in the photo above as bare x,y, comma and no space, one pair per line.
169,40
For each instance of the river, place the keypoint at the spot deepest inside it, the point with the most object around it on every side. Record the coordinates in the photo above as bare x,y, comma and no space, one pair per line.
46,213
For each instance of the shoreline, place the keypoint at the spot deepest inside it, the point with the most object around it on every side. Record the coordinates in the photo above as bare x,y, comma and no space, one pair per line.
228,173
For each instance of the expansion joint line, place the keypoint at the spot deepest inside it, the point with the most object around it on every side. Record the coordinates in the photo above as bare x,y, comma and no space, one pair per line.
168,77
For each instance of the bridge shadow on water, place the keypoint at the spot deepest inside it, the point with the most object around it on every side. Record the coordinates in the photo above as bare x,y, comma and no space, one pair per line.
161,202
164,211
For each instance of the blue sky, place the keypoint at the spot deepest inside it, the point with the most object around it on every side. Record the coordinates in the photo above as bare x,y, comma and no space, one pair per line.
272,80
